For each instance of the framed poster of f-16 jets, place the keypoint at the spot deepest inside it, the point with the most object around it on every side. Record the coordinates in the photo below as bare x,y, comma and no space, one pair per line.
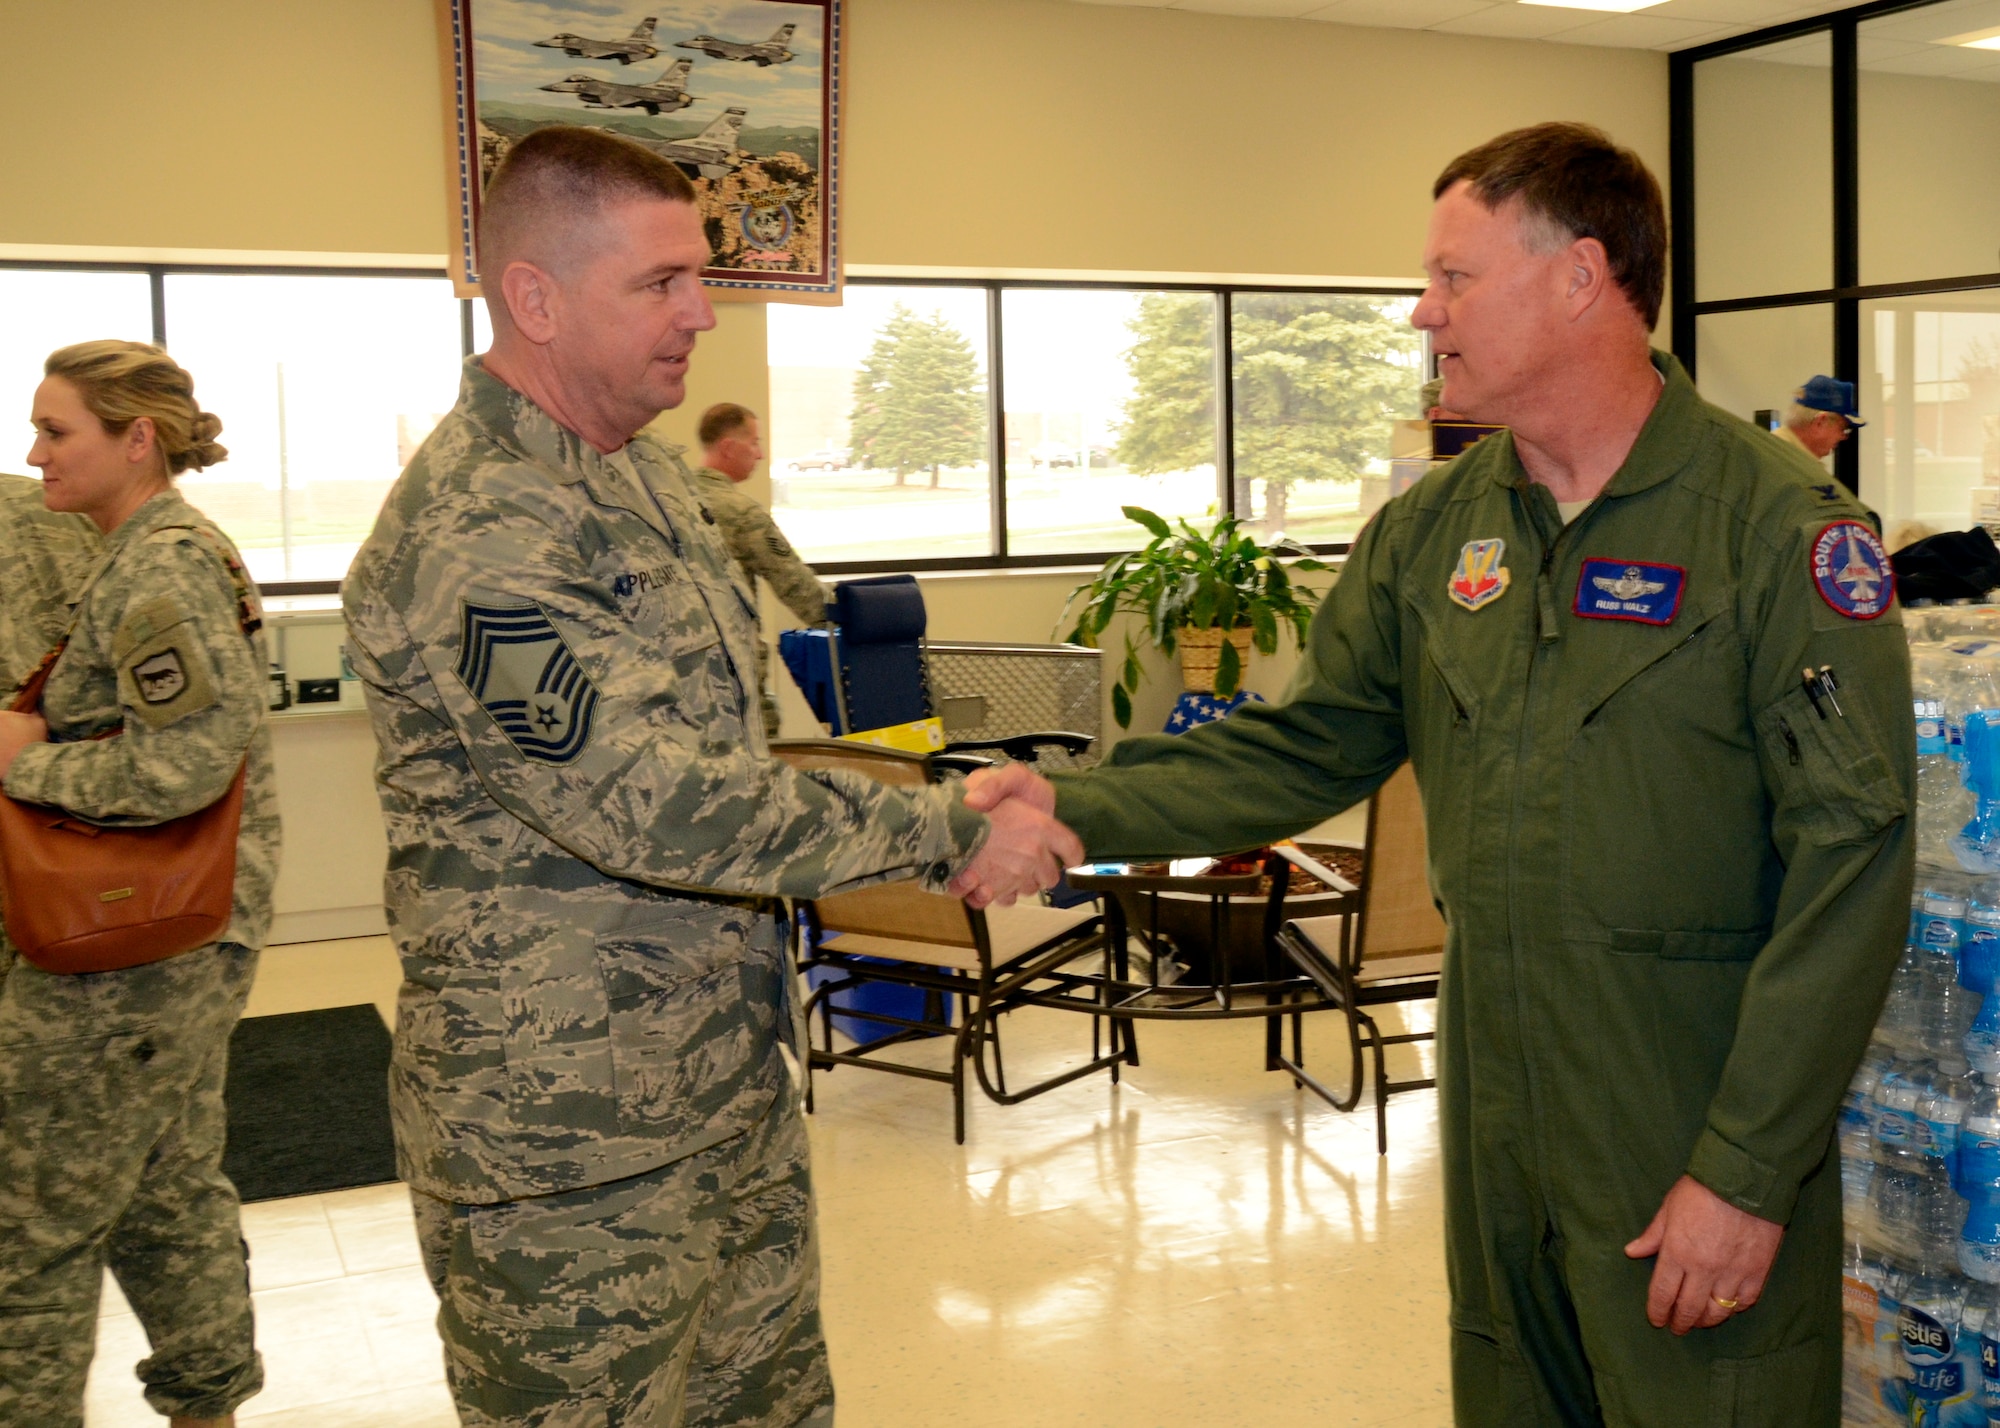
743,95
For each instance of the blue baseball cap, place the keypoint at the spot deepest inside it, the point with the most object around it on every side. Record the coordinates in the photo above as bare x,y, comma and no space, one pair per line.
1827,394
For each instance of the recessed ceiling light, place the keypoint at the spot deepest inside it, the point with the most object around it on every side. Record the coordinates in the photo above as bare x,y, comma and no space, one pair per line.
1616,7
1988,39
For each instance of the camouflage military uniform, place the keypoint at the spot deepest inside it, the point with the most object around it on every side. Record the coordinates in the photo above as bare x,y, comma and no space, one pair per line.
760,548
111,1113
44,557
585,837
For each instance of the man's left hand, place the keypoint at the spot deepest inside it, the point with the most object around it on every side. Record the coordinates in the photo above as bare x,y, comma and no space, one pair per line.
1713,1258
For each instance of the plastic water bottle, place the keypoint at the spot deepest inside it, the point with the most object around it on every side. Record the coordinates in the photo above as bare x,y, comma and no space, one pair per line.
1944,1093
1943,803
1901,1023
1945,1382
1982,1323
1979,1179
1979,946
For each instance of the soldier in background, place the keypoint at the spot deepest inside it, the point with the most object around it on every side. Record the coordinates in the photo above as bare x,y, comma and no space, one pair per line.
112,1121
1822,415
587,835
44,557
730,450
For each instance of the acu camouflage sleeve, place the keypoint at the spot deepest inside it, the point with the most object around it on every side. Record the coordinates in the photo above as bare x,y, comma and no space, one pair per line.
189,690
640,786
754,539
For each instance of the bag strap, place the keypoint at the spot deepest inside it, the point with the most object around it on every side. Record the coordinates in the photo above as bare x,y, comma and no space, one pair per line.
249,614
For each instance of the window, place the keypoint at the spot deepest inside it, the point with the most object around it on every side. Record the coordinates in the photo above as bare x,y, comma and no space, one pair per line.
1836,211
325,386
882,440
878,426
49,309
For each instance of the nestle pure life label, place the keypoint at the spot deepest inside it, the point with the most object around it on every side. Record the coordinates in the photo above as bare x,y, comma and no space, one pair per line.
1947,1387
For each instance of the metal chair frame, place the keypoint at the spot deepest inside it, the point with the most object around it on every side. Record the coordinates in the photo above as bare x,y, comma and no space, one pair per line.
984,996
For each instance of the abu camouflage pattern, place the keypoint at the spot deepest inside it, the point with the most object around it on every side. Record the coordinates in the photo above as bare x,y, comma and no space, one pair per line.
159,652
44,557
585,830
688,1295
759,548
111,1136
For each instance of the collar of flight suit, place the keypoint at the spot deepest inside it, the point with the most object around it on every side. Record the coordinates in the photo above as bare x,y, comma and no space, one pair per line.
517,425
1666,443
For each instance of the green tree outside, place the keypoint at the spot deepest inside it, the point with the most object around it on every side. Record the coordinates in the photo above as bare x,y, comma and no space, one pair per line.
919,400
1318,380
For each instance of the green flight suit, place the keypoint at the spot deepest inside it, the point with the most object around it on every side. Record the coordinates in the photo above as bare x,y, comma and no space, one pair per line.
1675,892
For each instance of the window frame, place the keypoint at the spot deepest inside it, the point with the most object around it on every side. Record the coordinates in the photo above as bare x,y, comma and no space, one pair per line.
1848,292
1000,558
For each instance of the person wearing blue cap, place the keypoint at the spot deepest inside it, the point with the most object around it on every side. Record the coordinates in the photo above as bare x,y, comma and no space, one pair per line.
1821,416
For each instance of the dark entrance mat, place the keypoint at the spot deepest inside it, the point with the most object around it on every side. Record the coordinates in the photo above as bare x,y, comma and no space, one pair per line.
308,1103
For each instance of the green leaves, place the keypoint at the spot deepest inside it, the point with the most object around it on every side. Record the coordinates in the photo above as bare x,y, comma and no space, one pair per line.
1187,579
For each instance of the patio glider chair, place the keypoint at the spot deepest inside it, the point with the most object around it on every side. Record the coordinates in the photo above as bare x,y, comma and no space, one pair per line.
898,933
1391,949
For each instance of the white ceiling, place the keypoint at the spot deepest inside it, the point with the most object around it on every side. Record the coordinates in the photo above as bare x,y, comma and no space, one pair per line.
1904,43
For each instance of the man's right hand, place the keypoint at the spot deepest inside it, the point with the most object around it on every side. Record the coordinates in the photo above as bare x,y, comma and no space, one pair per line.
1027,849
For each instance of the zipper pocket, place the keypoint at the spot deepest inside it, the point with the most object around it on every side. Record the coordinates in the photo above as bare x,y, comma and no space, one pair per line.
1679,645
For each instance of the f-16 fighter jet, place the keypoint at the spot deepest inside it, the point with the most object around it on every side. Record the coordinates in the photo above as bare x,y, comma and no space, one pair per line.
639,46
763,53
712,152
664,95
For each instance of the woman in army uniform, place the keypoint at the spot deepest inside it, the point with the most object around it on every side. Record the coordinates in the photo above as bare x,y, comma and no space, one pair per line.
111,1112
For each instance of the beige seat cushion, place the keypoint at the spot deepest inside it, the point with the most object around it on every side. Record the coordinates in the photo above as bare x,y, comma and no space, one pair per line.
1324,934
1014,932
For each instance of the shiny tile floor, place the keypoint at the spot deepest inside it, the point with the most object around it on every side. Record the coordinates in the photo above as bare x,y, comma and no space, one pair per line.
1201,1245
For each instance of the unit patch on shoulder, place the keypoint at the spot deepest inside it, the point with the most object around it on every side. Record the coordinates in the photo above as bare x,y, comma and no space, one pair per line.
1851,570
1479,578
160,677
519,668
1636,590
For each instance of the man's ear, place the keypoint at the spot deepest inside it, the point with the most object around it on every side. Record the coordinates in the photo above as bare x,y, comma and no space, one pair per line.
532,300
1588,272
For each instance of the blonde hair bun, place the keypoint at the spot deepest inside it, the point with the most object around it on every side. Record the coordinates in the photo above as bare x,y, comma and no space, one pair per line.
123,381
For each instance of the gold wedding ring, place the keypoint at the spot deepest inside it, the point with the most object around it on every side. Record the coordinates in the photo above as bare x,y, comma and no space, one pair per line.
1725,1303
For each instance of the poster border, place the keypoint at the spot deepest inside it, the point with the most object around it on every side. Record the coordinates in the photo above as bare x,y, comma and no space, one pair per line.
455,55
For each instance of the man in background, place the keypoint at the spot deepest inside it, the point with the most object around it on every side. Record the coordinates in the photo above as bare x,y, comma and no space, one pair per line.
731,447
1822,415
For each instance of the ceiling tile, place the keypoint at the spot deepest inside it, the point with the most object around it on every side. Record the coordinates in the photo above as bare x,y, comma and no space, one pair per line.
1407,14
1946,60
1519,22
1869,49
1936,22
1269,9
1641,31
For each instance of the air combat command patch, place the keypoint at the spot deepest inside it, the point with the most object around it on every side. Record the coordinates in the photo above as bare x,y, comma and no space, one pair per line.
517,665
1629,590
1851,570
1480,578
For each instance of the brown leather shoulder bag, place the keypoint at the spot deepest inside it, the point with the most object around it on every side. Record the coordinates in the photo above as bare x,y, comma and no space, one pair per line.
79,897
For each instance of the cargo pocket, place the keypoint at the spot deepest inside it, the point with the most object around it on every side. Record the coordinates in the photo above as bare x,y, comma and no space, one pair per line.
77,1118
1826,774
1781,1389
693,1000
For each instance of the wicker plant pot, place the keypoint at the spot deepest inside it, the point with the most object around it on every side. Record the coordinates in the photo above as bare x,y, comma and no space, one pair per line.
1201,656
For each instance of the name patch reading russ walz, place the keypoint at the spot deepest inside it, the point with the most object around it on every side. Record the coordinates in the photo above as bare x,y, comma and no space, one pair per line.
1629,590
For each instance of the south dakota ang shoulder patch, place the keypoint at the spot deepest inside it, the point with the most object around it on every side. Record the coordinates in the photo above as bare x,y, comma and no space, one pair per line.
517,665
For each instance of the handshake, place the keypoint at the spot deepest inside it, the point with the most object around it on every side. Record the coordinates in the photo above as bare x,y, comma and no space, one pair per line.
1027,850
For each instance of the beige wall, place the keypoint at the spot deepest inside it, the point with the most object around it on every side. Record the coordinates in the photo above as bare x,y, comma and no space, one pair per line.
1764,178
982,134
1930,177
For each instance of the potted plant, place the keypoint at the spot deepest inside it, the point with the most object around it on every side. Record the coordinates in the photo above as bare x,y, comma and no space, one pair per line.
1210,598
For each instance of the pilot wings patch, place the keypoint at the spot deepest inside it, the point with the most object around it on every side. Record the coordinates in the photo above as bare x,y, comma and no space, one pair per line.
517,665
1639,591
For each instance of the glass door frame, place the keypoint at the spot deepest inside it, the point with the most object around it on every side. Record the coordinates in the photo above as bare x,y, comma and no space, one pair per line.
1847,293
